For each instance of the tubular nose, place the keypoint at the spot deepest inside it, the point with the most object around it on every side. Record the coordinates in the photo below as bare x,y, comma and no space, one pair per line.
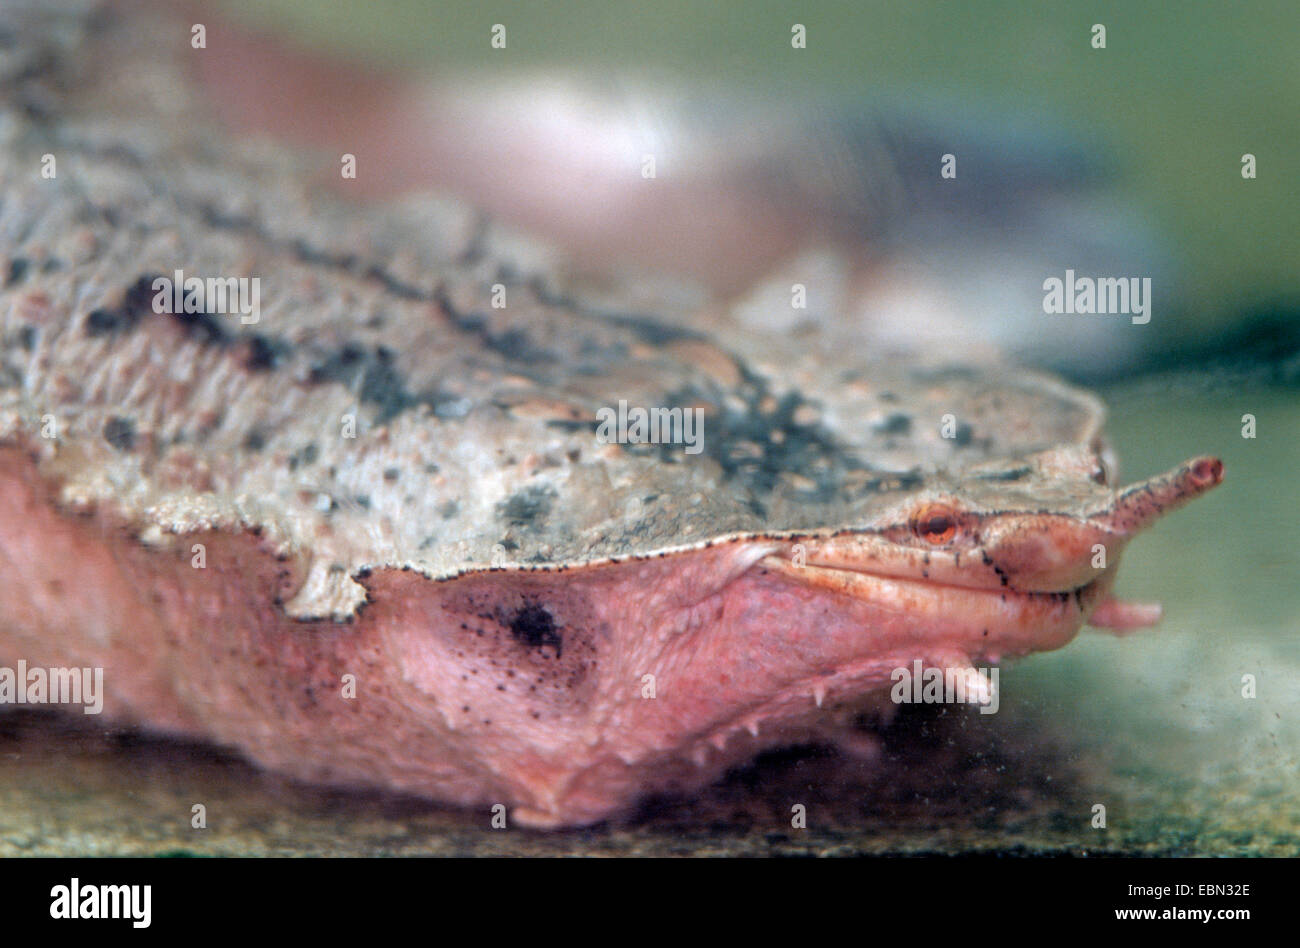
1140,505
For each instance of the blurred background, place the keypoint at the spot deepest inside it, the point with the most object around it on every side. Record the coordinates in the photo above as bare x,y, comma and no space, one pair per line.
1161,116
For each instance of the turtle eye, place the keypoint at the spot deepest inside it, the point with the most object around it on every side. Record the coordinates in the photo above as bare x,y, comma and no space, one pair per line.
935,523
1103,471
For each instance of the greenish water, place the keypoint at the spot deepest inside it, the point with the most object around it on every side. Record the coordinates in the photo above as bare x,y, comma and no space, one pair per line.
1184,747
1179,94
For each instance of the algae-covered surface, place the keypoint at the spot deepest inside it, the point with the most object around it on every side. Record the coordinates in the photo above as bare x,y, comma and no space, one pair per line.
1156,727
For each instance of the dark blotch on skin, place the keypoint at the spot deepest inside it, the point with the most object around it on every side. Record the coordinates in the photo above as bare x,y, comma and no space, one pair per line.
137,302
138,299
655,333
309,254
101,321
206,327
534,626
895,424
650,330
340,366
1014,474
392,284
382,385
528,506
307,455
515,345
566,424
810,450
375,377
17,270
216,217
265,352
120,433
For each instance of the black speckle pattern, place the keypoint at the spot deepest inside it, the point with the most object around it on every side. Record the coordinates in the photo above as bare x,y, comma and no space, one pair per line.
534,626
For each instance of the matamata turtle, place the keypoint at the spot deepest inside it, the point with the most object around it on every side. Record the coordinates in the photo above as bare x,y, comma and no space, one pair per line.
405,513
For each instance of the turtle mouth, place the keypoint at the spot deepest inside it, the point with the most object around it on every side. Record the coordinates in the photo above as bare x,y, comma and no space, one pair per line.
1016,620
851,578
879,623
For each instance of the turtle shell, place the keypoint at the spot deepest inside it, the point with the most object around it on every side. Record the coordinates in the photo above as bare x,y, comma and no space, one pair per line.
418,388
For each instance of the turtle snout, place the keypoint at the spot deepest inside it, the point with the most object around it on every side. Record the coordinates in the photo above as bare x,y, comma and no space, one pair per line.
1053,554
